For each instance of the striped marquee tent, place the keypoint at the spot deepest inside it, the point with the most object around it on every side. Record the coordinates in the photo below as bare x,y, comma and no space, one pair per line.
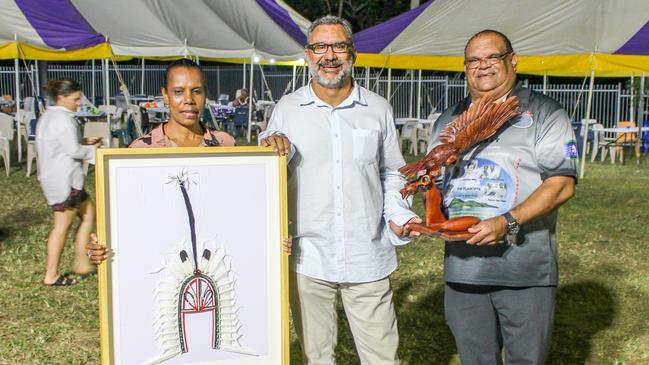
94,29
551,37
233,30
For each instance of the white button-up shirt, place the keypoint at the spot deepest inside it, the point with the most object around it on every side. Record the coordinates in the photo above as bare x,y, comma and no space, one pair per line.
343,185
59,154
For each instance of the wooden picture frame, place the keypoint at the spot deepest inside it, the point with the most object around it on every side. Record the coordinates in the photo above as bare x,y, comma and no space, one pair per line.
197,273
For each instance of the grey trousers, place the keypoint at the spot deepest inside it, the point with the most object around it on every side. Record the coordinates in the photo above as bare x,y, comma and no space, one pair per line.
369,310
485,320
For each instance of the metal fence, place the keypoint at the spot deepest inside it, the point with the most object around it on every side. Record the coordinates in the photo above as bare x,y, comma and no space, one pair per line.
410,95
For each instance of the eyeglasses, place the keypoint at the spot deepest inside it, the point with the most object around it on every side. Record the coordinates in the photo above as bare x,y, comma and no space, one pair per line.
474,63
320,48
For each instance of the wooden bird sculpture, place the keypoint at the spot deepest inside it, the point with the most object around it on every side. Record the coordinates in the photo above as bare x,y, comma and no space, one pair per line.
479,122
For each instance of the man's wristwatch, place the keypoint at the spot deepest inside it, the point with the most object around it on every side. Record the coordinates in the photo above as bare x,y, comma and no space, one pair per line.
512,229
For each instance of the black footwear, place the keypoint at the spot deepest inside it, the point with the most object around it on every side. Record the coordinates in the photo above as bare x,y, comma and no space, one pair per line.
62,281
79,277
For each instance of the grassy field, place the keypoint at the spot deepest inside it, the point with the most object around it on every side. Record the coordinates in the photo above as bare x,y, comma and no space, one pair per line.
602,307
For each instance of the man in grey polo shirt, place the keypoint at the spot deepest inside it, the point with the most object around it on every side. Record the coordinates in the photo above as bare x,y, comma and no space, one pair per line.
344,201
501,284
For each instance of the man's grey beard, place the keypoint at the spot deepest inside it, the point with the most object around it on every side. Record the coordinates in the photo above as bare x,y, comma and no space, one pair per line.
336,83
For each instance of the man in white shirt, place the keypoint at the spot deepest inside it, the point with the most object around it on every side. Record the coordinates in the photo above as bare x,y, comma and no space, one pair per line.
344,201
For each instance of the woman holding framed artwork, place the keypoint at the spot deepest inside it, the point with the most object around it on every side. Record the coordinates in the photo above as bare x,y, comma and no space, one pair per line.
61,177
185,93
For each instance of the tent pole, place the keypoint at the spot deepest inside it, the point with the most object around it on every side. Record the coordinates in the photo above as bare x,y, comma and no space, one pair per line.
38,81
244,75
584,127
412,82
446,93
631,112
93,82
19,113
293,79
218,81
142,81
640,119
367,77
106,83
545,84
388,96
250,101
419,96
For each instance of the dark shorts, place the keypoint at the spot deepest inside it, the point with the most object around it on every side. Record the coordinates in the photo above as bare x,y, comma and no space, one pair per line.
73,201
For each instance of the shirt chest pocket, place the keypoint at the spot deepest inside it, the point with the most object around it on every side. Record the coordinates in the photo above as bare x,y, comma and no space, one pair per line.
366,144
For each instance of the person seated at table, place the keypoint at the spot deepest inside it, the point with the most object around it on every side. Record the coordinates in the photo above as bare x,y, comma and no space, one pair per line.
185,93
8,106
61,177
243,99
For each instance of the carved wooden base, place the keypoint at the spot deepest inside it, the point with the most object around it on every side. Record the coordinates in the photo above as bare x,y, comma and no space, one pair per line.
445,235
454,229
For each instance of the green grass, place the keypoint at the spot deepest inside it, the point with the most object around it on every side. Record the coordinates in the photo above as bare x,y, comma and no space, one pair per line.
602,302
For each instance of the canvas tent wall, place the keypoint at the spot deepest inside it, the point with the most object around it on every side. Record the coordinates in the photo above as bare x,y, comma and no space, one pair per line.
210,29
551,37
121,29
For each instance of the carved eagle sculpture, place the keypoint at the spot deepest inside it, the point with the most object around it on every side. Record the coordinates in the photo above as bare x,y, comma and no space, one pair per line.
479,122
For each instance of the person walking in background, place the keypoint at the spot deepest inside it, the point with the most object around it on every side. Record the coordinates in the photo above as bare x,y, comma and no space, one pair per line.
61,177
501,284
344,201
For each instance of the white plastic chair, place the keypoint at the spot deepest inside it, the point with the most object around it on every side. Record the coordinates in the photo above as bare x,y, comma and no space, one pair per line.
583,131
409,134
260,126
98,129
29,104
423,135
425,130
134,110
108,109
6,136
601,143
31,144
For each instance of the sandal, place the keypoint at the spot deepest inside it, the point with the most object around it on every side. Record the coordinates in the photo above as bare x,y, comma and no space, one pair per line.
79,277
62,281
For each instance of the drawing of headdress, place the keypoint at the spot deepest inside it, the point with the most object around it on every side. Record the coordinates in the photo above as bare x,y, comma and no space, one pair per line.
192,284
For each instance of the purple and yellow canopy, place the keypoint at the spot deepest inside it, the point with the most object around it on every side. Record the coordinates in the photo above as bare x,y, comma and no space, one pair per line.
553,37
209,29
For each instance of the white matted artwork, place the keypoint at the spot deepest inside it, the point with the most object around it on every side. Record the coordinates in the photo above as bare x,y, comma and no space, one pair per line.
197,274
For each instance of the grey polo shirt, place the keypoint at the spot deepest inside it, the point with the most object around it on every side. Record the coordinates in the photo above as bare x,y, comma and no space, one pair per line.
498,174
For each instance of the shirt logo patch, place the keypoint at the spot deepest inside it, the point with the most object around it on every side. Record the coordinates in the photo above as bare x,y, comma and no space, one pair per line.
570,151
525,120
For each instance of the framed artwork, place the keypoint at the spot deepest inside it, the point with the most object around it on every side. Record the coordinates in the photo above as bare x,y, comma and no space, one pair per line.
197,273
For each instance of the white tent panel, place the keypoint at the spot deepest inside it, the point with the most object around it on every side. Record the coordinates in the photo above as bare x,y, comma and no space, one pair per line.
550,27
14,23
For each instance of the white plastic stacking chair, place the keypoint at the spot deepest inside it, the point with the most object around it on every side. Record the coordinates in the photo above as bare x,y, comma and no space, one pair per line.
31,147
409,133
134,110
108,109
423,135
98,129
6,136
